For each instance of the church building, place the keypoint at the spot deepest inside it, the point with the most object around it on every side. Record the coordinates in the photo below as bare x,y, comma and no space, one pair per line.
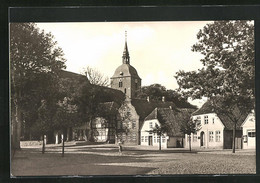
133,110
126,77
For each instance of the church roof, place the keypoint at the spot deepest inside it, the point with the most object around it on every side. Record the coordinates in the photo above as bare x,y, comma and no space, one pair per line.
125,70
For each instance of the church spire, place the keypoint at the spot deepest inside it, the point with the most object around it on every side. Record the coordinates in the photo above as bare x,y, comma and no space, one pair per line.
126,57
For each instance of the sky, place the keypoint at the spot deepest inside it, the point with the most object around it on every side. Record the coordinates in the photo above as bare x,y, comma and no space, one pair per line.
157,49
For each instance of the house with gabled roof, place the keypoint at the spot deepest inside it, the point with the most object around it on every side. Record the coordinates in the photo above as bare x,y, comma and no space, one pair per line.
171,118
216,129
249,132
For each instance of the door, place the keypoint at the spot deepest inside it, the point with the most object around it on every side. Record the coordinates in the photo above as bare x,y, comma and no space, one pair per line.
150,142
202,139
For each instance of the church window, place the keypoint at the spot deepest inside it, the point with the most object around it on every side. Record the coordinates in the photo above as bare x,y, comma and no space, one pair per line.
120,84
133,125
125,90
134,136
124,136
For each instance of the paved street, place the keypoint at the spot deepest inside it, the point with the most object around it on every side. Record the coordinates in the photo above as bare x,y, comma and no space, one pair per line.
83,159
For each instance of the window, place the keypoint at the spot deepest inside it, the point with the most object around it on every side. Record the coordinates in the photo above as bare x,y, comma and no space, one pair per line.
123,137
125,90
213,120
151,124
120,84
134,136
158,139
217,136
146,138
142,139
154,139
206,120
163,139
198,120
134,125
251,133
195,137
211,137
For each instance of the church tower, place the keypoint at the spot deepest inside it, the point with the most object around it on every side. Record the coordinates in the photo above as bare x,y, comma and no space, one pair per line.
126,77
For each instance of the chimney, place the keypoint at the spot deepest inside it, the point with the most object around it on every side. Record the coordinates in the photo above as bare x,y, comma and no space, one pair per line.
148,99
163,99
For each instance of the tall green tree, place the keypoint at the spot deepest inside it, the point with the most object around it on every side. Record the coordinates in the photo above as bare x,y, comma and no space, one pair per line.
34,58
228,72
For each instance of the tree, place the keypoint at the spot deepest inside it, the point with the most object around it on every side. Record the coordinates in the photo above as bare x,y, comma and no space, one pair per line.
228,72
34,56
188,127
44,122
160,131
157,91
65,117
96,77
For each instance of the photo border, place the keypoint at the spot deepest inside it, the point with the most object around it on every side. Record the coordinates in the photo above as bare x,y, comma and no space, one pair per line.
21,13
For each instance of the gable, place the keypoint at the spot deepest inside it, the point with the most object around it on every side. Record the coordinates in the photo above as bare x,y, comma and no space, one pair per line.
146,124
249,121
207,108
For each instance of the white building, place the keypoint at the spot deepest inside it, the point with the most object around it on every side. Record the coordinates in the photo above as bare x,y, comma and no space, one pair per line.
249,132
170,118
216,130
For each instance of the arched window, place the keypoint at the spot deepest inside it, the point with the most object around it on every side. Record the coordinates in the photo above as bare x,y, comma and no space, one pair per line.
120,84
125,90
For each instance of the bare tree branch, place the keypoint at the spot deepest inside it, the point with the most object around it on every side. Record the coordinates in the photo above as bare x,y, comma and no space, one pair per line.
96,77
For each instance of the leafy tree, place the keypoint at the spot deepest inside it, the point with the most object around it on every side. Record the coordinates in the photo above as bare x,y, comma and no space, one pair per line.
44,122
228,72
65,117
188,127
34,58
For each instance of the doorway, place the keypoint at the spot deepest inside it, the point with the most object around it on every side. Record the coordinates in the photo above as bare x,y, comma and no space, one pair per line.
150,142
202,139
